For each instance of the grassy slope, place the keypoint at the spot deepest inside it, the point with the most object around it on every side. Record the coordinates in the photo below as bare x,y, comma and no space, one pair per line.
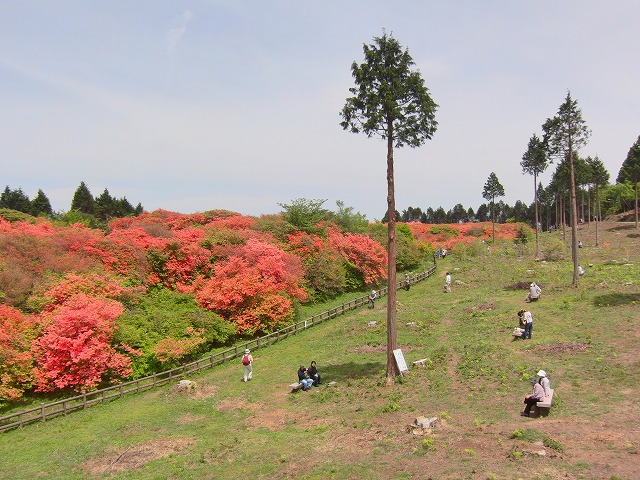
586,338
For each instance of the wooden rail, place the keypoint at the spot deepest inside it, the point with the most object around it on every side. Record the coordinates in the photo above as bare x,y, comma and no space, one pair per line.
85,400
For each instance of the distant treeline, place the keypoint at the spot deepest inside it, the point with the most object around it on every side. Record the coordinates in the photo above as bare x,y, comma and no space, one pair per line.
553,208
102,208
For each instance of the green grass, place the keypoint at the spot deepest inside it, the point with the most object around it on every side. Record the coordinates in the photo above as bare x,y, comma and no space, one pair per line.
474,380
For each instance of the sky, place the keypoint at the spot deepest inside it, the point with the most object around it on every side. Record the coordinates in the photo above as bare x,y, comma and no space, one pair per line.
198,105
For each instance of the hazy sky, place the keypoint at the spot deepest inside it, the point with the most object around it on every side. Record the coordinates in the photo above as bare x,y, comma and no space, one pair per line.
198,105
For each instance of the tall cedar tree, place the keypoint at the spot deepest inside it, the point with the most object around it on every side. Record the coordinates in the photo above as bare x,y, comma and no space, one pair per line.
492,189
630,172
390,101
534,162
564,135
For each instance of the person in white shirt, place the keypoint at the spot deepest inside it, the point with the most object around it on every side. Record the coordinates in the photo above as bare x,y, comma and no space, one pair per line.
534,293
447,283
527,320
544,382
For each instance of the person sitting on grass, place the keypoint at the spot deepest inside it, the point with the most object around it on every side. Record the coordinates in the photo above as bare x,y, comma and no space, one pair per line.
304,379
312,371
534,293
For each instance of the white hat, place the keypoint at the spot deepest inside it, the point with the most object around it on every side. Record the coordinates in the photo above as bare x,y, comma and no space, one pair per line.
246,351
541,373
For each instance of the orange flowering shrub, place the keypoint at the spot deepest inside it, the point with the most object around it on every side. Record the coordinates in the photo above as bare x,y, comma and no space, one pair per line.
255,288
17,331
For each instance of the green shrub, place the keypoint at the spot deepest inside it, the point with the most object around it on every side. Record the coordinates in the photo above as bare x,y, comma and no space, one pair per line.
163,314
465,251
15,216
445,231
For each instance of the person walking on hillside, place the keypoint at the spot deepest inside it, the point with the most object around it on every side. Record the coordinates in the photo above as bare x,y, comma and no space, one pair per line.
372,298
447,282
247,364
537,394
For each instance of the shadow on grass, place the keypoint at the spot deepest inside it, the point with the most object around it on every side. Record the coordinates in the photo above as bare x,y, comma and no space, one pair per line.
621,227
616,299
351,370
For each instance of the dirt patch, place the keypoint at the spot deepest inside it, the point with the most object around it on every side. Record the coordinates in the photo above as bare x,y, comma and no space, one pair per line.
522,285
486,306
135,456
203,391
572,347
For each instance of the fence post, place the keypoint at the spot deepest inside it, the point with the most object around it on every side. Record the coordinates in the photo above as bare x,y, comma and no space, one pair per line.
44,419
84,400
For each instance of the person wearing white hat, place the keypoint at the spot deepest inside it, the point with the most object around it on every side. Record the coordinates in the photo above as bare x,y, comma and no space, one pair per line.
534,293
372,298
247,363
544,382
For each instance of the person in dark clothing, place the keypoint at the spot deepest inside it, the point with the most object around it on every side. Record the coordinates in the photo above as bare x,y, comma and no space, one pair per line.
304,379
312,371
537,394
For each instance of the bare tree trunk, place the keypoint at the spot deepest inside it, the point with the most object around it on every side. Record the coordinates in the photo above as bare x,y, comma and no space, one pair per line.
573,218
589,205
563,218
597,208
636,191
493,219
392,333
535,213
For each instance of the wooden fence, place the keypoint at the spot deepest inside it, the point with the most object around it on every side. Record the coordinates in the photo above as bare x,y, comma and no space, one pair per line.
79,402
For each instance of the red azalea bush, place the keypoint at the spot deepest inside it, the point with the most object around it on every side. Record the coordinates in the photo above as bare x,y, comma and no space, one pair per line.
29,250
93,285
16,360
449,235
362,252
255,288
75,350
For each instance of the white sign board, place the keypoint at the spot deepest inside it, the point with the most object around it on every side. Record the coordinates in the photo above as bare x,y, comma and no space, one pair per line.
402,365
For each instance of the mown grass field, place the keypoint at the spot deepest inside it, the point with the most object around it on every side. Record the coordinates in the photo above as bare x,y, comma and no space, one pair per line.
586,338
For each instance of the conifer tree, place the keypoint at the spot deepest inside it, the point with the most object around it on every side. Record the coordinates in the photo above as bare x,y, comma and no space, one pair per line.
390,101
